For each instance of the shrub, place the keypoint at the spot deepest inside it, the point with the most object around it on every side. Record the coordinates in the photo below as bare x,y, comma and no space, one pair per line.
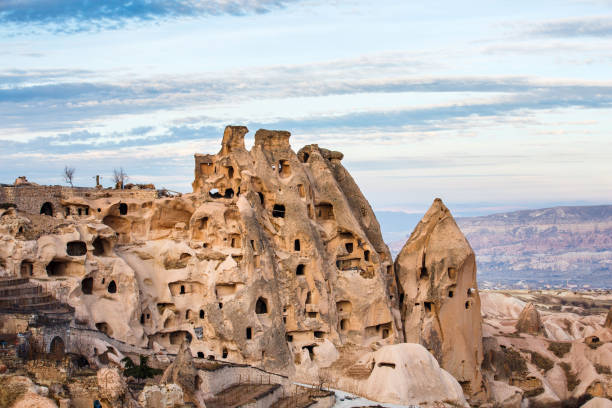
540,361
559,349
601,369
572,380
141,371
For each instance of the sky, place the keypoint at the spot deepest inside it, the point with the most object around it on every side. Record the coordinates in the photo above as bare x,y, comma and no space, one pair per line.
490,105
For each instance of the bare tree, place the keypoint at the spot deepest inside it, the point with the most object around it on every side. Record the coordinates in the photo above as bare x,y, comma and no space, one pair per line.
68,175
120,177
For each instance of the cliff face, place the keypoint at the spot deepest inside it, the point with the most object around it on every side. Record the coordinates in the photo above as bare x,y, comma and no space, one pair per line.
436,272
550,246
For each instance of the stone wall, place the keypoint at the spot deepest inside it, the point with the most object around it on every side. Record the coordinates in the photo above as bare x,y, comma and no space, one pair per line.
30,198
215,381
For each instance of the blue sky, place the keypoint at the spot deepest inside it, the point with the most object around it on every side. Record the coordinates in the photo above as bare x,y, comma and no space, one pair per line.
491,106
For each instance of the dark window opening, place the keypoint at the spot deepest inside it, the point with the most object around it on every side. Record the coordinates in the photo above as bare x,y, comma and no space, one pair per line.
401,298
249,333
285,319
100,246
112,287
79,211
103,280
312,315
310,349
99,210
47,209
200,354
390,365
278,211
308,298
123,208
252,245
67,211
142,319
76,248
87,211
284,170
56,268
300,270
187,314
366,255
296,245
325,211
230,172
224,355
319,334
452,273
424,273
289,337
229,193
205,245
261,306
450,293
201,314
26,268
306,157
343,324
214,193
389,269
182,289
211,357
87,286
220,305
203,222
261,198
467,304
385,333
349,247
427,306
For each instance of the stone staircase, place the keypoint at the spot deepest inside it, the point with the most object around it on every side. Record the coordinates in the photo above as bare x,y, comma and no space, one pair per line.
20,295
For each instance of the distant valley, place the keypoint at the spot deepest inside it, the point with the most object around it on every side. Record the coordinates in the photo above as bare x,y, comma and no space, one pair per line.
550,247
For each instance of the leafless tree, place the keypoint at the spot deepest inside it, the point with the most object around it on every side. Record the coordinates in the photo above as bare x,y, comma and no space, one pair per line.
68,175
120,177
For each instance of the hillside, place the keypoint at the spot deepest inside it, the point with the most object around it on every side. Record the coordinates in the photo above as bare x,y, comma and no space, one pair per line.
550,246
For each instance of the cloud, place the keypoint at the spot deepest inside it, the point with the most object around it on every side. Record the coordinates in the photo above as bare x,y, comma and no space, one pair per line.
85,15
575,27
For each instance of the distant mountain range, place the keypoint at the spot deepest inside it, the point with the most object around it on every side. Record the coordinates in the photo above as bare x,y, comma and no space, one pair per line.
560,246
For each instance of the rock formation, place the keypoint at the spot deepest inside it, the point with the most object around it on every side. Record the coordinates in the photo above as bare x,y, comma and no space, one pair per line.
276,260
436,272
529,321
183,373
608,322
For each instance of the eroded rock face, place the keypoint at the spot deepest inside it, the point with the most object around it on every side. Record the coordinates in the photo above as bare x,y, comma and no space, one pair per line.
608,322
183,373
111,385
436,272
529,321
162,396
275,260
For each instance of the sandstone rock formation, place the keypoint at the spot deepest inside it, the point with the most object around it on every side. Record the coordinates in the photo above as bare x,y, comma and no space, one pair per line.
407,374
529,321
162,396
183,373
608,322
436,272
34,401
276,260
112,385
598,402
570,357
